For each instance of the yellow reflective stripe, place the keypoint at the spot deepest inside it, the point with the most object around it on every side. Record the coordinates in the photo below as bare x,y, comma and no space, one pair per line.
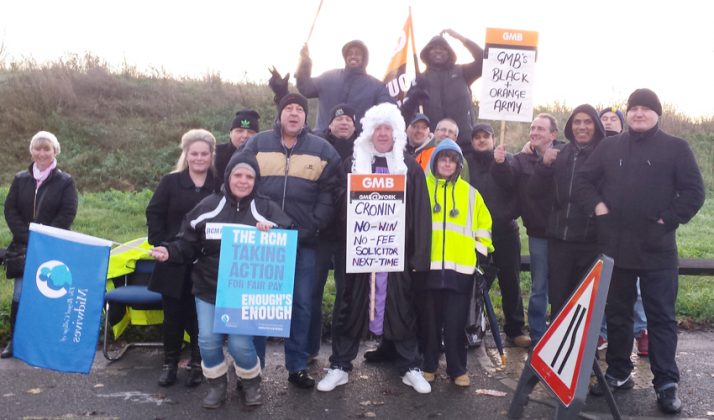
481,248
452,227
450,265
470,215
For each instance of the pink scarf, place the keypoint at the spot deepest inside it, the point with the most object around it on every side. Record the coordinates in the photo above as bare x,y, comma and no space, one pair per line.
41,176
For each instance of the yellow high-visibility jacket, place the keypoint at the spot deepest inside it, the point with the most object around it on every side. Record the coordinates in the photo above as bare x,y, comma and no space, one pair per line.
461,225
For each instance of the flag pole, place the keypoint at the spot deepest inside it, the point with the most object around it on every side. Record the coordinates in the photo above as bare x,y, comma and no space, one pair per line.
411,38
309,35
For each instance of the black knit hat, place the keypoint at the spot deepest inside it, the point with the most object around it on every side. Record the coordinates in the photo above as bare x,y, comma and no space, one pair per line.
293,98
343,109
646,98
246,118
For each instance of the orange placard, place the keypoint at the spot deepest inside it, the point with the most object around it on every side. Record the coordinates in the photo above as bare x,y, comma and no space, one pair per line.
377,182
516,37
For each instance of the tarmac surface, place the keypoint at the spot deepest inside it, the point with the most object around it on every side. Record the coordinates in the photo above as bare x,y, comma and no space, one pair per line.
127,389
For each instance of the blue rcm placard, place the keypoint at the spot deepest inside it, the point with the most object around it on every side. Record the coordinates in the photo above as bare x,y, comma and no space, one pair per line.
256,274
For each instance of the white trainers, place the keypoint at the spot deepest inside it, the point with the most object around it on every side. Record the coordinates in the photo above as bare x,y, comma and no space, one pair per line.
333,379
415,379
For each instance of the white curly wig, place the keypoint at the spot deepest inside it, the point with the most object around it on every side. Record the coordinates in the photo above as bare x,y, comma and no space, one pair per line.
364,151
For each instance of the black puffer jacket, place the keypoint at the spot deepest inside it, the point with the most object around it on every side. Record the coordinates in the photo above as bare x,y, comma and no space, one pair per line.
300,179
192,243
568,220
641,177
53,204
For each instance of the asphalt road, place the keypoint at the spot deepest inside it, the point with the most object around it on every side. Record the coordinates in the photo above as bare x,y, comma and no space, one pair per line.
127,389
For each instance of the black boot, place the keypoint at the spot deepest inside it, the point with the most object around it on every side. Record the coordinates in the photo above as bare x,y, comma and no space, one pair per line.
194,374
217,392
168,374
7,351
251,391
385,352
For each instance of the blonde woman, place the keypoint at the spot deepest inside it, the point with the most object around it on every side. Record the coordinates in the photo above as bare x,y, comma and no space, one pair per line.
177,193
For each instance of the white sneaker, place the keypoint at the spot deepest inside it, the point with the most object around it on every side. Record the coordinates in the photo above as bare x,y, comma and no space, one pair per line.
333,379
416,380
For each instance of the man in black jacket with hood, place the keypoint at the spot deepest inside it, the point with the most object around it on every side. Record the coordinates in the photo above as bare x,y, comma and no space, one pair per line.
641,185
571,232
444,89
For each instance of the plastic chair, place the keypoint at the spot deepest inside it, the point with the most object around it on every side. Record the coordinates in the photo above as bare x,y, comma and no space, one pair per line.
133,296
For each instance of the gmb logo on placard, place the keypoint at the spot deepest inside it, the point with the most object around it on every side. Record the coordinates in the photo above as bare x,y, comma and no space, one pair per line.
52,277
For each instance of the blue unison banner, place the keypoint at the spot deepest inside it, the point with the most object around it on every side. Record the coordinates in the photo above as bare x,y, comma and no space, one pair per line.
62,299
255,281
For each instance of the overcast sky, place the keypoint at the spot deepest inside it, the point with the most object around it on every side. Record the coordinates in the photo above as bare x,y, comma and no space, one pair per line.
596,52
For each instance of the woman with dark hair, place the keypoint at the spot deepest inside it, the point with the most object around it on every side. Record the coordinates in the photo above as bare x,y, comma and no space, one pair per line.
177,193
41,194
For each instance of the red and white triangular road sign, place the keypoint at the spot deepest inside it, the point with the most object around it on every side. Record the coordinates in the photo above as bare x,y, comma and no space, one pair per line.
557,358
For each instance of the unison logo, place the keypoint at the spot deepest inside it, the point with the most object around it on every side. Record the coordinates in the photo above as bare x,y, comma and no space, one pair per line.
52,277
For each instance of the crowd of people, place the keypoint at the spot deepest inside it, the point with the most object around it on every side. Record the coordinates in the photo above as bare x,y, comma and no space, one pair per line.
617,184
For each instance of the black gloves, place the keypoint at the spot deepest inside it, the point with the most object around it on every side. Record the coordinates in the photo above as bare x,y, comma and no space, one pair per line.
278,84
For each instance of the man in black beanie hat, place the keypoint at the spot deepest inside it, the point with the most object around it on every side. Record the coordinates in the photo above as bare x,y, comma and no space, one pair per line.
297,170
444,89
244,126
351,85
641,185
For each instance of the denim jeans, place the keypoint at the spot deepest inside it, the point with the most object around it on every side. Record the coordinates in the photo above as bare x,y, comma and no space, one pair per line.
297,345
538,302
17,290
640,323
240,347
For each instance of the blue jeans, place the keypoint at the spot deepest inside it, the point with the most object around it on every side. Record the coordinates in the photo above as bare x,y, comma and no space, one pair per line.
240,347
17,290
297,345
538,302
640,323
